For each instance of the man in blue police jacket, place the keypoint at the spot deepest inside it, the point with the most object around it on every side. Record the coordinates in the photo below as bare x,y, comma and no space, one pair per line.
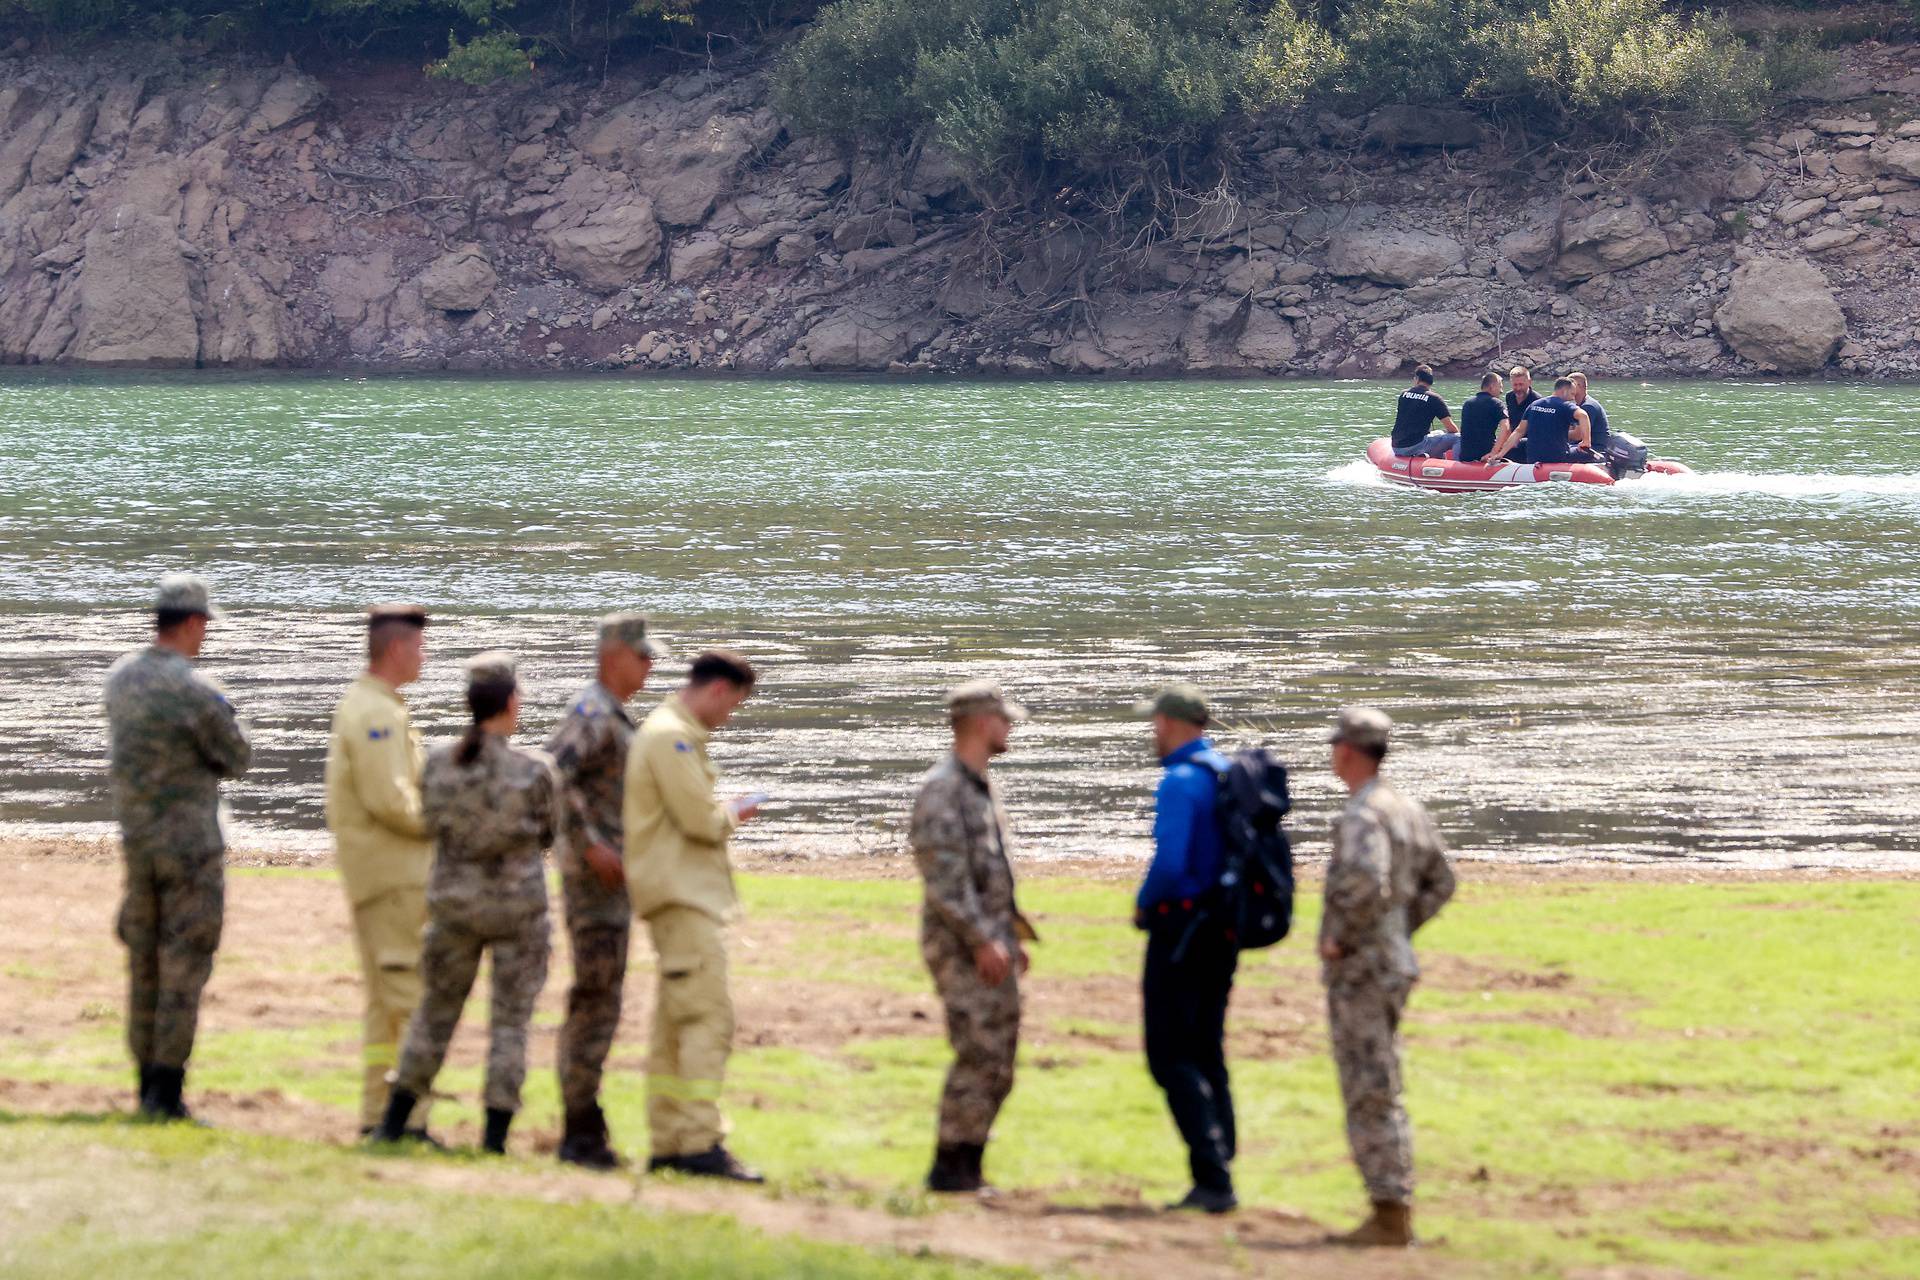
1190,962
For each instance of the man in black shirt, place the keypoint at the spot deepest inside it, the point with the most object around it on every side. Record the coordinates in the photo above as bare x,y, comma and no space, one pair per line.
1418,410
1482,419
1601,437
1518,399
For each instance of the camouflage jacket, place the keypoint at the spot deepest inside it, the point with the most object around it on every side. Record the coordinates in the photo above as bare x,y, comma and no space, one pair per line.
959,837
490,821
1388,876
589,749
173,737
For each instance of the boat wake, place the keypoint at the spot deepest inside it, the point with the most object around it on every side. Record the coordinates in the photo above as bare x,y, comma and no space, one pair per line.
1361,474
1779,485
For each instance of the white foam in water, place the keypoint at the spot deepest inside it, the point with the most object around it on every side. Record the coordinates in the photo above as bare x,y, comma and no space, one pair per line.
1362,473
1786,486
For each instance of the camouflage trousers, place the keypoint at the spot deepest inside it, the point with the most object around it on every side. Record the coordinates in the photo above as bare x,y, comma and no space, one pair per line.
170,919
449,963
593,1007
983,1026
1364,1016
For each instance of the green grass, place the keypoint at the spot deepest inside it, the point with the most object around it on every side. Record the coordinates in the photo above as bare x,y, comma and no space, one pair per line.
119,1198
1718,1078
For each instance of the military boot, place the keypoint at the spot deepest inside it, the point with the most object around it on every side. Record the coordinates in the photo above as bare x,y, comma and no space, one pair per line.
498,1122
953,1169
584,1141
393,1126
146,1107
1389,1226
164,1100
717,1162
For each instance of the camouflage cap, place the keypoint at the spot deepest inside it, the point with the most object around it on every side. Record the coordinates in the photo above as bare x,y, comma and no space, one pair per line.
630,630
981,696
492,667
396,611
1180,701
184,593
1362,727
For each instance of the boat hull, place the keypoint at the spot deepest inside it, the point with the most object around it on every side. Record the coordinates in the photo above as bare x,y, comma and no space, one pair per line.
1443,475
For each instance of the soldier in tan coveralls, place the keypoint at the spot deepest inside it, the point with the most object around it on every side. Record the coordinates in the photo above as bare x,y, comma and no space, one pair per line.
173,738
589,748
1387,877
970,930
374,758
492,809
681,884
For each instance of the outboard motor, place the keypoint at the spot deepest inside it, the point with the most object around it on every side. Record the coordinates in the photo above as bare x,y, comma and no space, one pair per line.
1626,456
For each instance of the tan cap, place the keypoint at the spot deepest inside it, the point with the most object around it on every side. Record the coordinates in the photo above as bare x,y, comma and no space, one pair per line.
185,593
396,611
492,667
1362,727
630,630
982,696
1181,701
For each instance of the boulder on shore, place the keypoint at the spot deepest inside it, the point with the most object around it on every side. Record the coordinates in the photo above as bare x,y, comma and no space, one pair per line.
1398,258
135,299
1439,338
1609,239
1780,314
458,281
614,247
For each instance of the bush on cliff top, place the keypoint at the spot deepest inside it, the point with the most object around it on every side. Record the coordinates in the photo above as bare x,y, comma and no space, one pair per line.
1053,88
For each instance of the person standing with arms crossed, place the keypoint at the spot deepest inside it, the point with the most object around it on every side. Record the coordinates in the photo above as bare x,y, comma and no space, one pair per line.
172,737
681,883
970,929
589,748
374,757
1388,876
492,809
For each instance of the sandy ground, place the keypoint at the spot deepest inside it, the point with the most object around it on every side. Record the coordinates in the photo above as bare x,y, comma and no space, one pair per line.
283,966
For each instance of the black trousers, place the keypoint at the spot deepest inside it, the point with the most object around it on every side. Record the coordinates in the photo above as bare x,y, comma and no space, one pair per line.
1185,989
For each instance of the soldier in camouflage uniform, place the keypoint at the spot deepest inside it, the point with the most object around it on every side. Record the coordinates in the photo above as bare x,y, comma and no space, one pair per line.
970,930
492,809
589,748
1387,877
173,738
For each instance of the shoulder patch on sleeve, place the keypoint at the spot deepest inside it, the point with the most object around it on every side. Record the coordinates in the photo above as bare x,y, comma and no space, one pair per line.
681,745
376,735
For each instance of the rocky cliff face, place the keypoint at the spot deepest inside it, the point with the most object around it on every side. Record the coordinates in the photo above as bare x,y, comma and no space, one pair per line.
156,211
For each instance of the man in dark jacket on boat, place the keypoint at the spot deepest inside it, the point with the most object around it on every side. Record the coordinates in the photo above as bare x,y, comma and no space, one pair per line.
1414,416
1599,437
1481,420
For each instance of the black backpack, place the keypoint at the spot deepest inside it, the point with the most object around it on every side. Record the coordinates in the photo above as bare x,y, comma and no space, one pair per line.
1254,897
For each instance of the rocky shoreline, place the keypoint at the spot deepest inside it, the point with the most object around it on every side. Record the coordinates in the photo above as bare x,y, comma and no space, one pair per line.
158,209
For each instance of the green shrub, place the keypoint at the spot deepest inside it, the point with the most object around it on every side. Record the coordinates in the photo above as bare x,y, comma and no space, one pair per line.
486,59
1041,86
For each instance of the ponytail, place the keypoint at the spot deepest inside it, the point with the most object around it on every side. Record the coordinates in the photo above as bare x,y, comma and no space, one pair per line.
485,699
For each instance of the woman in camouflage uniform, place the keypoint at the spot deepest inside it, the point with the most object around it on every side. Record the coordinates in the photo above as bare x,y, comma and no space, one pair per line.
492,809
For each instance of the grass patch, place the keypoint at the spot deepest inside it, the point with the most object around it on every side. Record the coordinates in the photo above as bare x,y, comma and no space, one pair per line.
1716,1078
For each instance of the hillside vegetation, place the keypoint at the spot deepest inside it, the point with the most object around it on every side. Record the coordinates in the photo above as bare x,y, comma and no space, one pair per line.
1031,92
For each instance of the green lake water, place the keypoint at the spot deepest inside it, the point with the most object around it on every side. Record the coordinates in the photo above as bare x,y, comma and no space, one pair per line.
1720,667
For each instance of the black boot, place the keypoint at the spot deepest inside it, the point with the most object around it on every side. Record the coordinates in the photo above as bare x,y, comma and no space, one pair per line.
498,1122
393,1126
718,1162
953,1169
976,1161
146,1107
584,1141
164,1085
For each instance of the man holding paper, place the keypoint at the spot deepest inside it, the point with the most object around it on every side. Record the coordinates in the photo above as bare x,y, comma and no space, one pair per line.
681,884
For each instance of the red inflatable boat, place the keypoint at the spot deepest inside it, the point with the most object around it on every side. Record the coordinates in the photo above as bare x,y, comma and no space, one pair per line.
1447,476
